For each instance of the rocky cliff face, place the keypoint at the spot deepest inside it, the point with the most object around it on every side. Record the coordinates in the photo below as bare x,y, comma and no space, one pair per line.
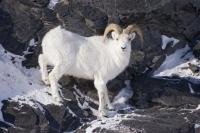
161,104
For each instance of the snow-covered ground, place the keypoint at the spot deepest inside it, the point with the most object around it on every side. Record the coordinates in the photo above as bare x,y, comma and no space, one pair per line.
21,84
177,64
119,102
112,123
113,120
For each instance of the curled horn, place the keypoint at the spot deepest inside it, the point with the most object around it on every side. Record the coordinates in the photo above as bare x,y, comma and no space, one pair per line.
134,28
112,27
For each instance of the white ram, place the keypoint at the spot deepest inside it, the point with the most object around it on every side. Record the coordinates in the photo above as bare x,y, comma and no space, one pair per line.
98,58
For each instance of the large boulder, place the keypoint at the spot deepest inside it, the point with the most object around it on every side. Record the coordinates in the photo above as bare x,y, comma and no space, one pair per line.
25,23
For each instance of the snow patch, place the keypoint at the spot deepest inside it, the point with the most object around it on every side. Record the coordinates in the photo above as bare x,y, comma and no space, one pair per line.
32,43
198,107
111,123
191,89
166,40
52,4
192,110
177,64
106,123
197,126
21,84
123,96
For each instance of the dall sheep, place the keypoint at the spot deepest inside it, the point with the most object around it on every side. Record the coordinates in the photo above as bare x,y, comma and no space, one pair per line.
98,58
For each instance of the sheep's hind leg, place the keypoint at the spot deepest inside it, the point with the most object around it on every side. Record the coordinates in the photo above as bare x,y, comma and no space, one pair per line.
43,68
54,76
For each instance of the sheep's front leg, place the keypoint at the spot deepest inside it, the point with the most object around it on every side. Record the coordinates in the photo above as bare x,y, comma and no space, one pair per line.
108,104
103,96
43,68
54,76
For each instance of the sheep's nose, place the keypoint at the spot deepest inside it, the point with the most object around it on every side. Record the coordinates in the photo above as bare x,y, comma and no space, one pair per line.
123,48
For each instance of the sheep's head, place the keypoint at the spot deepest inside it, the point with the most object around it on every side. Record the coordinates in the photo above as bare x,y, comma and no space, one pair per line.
122,37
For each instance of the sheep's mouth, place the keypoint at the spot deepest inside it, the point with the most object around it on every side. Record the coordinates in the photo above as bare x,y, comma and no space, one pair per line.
123,49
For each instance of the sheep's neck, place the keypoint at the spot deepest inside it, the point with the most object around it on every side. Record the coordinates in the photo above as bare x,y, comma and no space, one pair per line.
120,58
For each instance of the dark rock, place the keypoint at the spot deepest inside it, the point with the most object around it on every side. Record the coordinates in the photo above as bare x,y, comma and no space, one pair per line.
5,26
51,118
49,19
6,39
35,3
75,17
22,117
196,46
157,120
168,92
4,126
25,23
95,19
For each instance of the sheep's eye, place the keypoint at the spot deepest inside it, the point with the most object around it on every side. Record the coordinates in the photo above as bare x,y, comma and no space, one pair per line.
129,39
117,39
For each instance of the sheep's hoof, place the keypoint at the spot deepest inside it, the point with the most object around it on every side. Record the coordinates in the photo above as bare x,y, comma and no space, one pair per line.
106,113
102,113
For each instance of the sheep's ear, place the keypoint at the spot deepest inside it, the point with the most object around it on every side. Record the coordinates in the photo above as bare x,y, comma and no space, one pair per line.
132,35
115,35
